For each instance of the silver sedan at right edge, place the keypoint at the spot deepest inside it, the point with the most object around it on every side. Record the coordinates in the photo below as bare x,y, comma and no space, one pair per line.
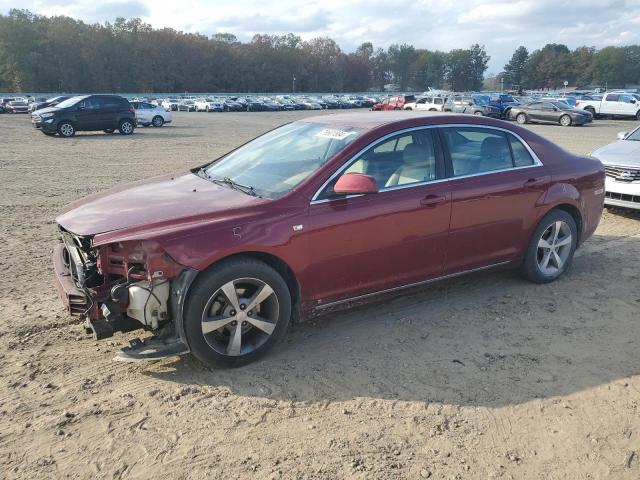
621,160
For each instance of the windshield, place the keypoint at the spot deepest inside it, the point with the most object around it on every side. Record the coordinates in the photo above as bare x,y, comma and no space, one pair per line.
278,161
69,102
507,98
481,99
634,136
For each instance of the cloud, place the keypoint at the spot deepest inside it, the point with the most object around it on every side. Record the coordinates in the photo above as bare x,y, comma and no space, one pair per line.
500,25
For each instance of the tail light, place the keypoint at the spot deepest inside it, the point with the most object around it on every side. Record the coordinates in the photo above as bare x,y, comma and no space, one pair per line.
577,102
132,110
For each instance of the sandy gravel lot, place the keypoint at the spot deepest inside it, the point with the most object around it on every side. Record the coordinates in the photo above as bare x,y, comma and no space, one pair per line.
483,377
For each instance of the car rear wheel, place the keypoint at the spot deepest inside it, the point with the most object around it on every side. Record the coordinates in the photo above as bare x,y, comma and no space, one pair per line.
157,121
477,112
236,312
638,115
126,127
521,118
551,247
565,120
66,129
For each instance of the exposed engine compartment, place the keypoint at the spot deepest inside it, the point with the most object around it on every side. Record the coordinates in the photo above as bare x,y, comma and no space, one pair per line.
120,286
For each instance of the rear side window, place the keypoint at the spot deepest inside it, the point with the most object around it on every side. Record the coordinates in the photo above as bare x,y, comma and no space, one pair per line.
612,97
477,150
481,150
521,156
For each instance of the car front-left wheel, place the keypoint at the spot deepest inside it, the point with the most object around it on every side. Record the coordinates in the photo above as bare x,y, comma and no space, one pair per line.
565,120
551,247
235,312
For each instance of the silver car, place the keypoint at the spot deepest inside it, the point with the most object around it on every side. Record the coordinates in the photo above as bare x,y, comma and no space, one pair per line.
621,161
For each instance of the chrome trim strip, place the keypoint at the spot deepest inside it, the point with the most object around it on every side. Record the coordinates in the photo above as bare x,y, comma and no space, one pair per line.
537,162
410,285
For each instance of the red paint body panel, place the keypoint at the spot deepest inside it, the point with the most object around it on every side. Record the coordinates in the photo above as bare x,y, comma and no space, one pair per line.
358,245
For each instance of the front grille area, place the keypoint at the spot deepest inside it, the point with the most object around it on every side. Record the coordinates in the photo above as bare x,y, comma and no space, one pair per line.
622,196
623,174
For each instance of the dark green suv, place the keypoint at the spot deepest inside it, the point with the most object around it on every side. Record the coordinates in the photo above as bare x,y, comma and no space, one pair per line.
86,113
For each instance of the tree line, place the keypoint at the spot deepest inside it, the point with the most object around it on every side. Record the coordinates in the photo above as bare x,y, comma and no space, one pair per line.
62,54
552,65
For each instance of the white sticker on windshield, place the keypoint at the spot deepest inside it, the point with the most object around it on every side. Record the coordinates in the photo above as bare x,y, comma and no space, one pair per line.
334,134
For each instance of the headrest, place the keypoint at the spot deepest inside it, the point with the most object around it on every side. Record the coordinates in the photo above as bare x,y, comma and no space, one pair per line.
415,154
494,147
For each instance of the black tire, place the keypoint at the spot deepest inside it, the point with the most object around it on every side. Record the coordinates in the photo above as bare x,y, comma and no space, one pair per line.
66,129
157,121
432,110
126,127
592,111
530,267
565,121
521,118
202,292
108,130
408,108
478,113
638,115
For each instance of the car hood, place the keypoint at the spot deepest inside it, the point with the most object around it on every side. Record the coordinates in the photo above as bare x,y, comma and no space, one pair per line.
622,152
155,204
47,110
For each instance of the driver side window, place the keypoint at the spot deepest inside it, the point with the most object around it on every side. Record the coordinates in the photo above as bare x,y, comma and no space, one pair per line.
401,160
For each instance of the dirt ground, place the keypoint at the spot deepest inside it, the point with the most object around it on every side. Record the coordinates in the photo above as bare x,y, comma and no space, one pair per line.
483,377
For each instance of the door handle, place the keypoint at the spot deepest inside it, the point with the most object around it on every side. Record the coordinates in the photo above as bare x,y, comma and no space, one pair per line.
533,182
431,201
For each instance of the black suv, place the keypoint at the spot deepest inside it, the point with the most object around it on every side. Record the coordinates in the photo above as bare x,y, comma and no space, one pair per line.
87,113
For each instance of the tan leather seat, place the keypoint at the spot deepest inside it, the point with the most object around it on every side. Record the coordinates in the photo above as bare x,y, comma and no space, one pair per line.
495,154
418,165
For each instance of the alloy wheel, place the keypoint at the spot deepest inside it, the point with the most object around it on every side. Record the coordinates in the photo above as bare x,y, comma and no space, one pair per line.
126,128
240,316
565,120
67,130
158,121
554,248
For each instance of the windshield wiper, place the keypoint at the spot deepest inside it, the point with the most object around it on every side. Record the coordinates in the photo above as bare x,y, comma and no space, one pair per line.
235,185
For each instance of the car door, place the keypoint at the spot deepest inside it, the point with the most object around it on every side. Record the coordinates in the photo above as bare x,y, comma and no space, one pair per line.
88,114
143,112
610,104
496,184
365,243
549,113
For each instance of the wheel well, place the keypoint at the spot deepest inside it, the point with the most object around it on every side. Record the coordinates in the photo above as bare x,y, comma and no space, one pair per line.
575,213
281,267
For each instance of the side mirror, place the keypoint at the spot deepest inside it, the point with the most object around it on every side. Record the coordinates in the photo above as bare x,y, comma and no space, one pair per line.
355,183
621,135
470,104
633,100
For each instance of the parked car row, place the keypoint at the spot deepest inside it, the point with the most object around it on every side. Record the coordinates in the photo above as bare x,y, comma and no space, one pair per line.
262,104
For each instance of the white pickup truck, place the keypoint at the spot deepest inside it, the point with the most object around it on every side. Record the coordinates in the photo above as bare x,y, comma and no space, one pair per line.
612,104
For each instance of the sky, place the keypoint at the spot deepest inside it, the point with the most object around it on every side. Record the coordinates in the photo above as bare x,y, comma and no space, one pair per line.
500,25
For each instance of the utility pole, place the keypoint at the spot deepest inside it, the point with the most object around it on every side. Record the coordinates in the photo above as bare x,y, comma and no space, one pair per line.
501,84
293,83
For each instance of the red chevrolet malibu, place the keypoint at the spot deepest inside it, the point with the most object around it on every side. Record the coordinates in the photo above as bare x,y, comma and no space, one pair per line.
317,215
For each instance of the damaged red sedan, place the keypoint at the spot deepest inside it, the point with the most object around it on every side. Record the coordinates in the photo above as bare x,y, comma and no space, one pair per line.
318,215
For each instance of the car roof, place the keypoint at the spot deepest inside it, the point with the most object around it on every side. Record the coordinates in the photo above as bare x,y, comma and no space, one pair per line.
371,120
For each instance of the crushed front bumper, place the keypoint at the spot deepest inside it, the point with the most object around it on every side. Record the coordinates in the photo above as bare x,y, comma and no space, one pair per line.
75,300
